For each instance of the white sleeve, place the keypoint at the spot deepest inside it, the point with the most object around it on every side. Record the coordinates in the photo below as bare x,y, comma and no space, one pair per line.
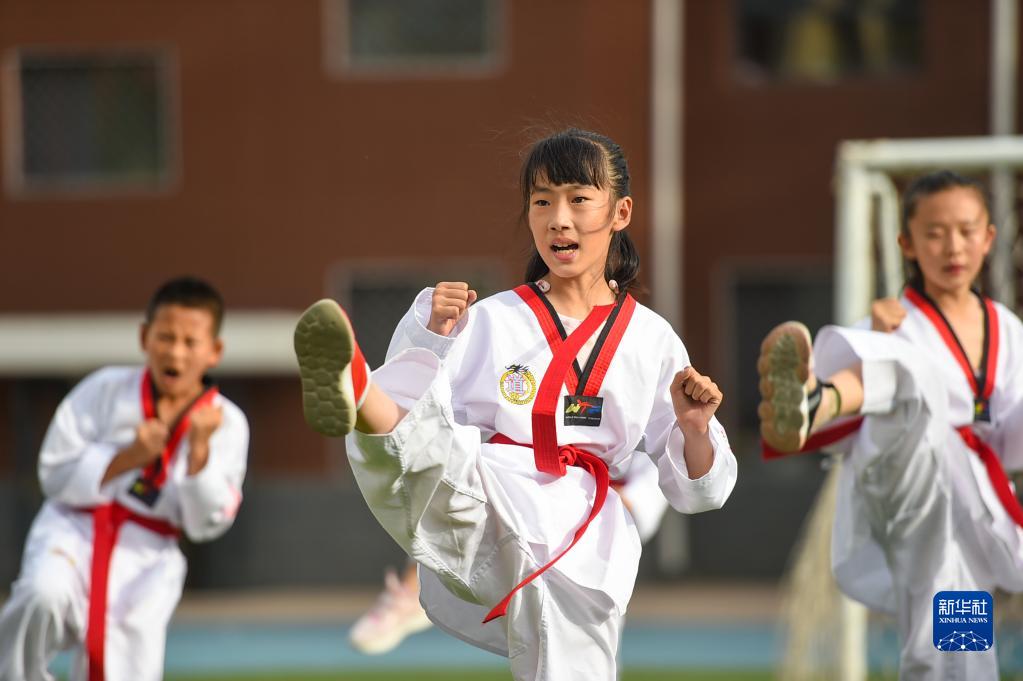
666,446
72,461
210,498
411,331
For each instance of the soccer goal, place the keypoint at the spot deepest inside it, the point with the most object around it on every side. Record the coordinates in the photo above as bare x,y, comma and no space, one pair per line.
827,634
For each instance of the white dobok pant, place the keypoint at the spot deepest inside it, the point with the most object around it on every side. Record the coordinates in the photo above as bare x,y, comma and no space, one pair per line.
49,605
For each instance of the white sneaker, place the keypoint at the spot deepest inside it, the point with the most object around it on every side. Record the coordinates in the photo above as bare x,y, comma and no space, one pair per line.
395,615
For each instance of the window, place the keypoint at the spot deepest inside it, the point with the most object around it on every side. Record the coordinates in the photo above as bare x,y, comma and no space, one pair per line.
87,122
825,40
408,37
752,299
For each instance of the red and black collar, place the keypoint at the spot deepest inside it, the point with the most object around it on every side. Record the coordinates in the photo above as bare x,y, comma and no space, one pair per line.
983,382
156,473
588,380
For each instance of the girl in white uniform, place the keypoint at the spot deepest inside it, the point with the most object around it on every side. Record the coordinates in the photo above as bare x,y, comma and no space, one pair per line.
134,456
485,448
929,408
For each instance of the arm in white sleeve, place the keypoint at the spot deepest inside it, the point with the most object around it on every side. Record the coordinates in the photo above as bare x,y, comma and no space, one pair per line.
666,446
72,461
412,331
210,498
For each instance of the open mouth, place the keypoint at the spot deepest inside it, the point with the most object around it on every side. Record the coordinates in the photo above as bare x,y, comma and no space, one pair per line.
171,373
564,247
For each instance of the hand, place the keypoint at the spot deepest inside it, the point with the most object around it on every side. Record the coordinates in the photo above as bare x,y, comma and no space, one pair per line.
451,300
695,398
150,441
886,314
202,422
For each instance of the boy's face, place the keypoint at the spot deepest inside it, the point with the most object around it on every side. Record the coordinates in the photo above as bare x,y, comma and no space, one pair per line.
180,348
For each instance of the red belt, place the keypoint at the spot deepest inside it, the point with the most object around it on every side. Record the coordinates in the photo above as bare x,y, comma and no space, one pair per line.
568,455
106,524
995,472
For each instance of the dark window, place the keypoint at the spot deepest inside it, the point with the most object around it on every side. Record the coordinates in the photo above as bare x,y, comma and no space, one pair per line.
825,40
760,301
420,34
93,120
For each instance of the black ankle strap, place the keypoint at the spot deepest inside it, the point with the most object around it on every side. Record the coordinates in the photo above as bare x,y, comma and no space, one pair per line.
813,400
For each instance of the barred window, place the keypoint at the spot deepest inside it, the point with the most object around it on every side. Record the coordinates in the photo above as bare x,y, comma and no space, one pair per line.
93,121
437,37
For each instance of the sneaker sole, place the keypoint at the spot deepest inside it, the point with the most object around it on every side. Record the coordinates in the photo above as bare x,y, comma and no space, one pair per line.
785,365
324,346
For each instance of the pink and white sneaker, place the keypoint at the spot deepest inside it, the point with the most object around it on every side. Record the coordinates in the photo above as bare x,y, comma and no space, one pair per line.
335,376
396,615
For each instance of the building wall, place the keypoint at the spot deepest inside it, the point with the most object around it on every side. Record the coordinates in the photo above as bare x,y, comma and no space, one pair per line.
286,170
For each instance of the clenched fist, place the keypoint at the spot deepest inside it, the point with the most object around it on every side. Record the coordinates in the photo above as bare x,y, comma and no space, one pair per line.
150,440
886,314
451,300
203,421
201,424
695,398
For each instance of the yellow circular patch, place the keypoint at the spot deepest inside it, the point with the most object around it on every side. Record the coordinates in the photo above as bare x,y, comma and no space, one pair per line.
518,385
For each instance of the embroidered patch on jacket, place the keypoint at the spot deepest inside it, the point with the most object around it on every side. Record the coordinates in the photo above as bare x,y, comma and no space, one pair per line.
583,410
144,491
517,384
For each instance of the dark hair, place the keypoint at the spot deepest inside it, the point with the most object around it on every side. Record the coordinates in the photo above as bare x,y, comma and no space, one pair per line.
575,156
927,185
188,292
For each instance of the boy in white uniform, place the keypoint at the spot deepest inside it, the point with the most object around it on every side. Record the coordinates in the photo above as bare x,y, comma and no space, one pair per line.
929,409
483,446
134,456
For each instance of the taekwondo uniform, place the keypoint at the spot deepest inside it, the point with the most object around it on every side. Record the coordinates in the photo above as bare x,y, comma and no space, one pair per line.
102,568
504,459
924,504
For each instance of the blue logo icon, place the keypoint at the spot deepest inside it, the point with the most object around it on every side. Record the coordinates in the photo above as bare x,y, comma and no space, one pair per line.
964,621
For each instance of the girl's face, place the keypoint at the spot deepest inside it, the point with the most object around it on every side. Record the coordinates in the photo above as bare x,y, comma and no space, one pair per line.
572,226
950,234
